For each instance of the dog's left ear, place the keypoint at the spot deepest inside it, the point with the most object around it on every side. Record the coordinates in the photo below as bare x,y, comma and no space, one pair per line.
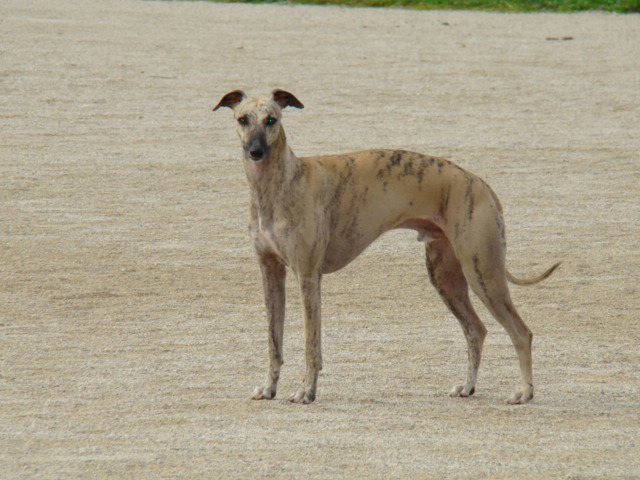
231,99
286,99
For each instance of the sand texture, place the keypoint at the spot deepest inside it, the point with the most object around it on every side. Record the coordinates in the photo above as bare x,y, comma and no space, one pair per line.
132,326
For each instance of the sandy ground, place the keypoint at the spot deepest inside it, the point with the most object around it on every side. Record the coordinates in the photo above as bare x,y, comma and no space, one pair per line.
132,327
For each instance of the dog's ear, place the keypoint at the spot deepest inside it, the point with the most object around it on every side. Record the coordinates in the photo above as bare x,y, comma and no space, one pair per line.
286,99
231,99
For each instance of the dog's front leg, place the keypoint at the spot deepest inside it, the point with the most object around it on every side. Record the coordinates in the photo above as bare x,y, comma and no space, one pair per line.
310,292
273,280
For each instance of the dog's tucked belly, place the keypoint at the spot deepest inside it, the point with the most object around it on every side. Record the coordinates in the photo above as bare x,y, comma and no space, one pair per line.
427,230
340,254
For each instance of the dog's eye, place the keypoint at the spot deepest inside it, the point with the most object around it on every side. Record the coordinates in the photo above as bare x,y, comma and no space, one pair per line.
243,120
271,121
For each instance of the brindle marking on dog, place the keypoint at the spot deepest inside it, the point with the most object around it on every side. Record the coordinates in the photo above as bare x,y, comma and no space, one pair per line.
314,215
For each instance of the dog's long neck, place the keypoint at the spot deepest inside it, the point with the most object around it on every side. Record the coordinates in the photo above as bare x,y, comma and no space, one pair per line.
272,178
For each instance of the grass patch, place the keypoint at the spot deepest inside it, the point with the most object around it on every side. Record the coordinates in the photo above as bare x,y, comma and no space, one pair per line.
619,6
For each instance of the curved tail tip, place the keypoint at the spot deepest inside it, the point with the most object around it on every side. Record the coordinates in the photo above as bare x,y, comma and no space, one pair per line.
532,281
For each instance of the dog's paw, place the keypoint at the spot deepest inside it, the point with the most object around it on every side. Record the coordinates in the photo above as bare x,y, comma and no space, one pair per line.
302,396
521,396
465,390
263,393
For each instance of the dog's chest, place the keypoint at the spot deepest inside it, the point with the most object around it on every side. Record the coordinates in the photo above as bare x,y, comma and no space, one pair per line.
268,238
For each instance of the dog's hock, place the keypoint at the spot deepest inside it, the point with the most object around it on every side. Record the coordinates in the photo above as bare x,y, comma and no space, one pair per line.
231,99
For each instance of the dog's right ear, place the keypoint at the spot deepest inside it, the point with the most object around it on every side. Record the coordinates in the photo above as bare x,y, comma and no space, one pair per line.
231,99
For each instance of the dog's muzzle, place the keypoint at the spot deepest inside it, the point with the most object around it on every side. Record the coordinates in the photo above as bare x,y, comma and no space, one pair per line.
257,150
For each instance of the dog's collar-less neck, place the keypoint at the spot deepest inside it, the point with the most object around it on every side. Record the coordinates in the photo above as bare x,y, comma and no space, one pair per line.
270,179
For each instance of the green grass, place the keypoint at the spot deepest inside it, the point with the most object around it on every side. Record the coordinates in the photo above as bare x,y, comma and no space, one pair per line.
620,6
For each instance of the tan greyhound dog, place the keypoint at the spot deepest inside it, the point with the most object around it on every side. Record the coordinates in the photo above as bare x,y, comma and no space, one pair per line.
316,214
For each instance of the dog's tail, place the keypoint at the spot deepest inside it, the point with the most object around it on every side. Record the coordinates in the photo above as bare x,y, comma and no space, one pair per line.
532,281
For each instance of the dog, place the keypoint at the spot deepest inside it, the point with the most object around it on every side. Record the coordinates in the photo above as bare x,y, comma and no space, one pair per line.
315,215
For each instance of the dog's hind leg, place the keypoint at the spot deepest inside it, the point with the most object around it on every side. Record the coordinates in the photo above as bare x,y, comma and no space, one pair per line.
446,276
486,275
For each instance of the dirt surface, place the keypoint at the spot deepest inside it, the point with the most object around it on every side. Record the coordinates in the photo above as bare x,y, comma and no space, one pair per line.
132,327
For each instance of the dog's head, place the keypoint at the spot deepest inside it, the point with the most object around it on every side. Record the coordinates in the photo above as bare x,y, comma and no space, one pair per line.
258,119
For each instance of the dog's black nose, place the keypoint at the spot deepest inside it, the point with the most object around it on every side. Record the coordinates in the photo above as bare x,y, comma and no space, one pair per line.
258,149
257,154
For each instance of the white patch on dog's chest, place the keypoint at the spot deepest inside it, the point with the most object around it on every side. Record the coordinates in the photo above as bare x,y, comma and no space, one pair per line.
267,238
268,241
